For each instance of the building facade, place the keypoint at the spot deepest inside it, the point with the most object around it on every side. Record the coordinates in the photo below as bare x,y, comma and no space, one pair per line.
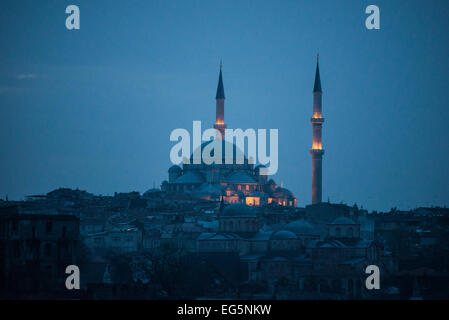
35,250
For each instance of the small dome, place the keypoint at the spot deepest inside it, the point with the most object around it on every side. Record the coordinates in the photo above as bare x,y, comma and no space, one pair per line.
301,227
239,210
284,235
174,168
343,220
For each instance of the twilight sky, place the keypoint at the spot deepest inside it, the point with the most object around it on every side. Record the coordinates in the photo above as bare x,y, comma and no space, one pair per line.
93,108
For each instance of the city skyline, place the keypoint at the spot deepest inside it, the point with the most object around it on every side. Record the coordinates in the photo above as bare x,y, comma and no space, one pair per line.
99,119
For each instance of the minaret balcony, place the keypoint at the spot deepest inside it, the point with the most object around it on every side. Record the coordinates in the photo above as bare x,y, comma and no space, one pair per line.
219,126
316,152
317,120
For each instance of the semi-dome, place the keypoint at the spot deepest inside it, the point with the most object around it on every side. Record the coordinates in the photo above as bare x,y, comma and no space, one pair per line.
239,210
343,220
239,177
225,145
190,178
284,235
301,227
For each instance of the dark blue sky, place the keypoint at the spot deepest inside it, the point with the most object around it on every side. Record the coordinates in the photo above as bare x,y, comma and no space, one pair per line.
94,108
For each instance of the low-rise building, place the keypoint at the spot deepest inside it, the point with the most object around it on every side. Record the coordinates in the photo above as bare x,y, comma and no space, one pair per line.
35,250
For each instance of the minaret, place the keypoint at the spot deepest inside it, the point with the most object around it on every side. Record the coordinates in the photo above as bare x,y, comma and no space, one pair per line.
220,98
317,150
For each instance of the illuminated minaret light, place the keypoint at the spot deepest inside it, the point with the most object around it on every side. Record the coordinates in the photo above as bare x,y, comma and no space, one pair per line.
220,98
317,150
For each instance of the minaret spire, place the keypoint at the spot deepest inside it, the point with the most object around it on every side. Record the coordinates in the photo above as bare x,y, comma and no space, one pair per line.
220,89
317,150
220,98
317,85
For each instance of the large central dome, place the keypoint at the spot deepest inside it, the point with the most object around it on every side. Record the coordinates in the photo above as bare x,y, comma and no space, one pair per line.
225,147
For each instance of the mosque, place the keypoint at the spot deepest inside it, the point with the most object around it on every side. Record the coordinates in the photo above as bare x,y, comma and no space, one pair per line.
230,183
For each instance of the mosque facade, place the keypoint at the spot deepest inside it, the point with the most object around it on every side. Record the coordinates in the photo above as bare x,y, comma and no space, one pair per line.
230,183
